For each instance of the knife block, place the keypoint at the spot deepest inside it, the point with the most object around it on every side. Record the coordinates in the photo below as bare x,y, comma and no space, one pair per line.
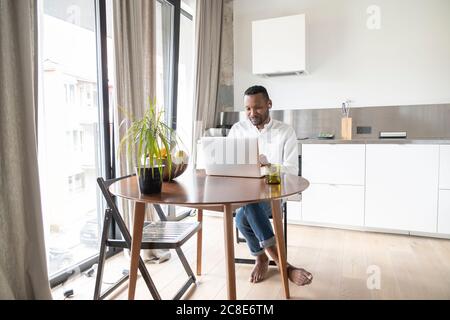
346,128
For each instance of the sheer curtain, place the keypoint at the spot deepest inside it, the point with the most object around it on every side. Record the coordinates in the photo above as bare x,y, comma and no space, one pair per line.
23,266
208,38
135,72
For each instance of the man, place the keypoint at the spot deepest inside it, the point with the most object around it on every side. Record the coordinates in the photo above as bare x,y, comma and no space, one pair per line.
277,144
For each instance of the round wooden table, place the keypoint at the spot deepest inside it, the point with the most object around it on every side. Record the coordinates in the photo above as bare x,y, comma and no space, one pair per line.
195,189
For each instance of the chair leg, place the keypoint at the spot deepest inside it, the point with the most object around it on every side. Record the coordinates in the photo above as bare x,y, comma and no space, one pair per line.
189,272
160,212
251,261
185,263
101,259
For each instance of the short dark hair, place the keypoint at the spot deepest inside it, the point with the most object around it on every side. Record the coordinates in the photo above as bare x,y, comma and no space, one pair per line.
255,90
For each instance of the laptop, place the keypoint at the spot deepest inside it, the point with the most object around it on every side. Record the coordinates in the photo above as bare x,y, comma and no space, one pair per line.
233,157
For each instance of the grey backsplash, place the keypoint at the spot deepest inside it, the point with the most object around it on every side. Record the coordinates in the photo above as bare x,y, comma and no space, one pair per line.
419,121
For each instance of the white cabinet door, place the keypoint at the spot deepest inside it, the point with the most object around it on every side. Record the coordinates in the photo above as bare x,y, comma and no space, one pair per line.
444,212
444,170
402,187
333,163
276,47
294,211
200,164
334,204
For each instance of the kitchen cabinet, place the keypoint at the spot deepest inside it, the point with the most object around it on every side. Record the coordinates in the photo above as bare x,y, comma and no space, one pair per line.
279,45
200,164
336,193
334,163
444,212
444,192
334,204
402,187
444,167
294,211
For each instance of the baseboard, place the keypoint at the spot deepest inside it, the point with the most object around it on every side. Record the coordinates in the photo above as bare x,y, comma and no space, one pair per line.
370,229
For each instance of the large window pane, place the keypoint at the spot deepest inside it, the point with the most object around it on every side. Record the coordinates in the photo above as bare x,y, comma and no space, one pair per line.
185,101
164,57
185,82
69,132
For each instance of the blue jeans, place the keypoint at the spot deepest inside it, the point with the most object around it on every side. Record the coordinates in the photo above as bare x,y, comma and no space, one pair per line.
253,222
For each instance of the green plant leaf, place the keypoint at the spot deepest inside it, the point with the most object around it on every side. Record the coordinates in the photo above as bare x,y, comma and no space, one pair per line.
145,137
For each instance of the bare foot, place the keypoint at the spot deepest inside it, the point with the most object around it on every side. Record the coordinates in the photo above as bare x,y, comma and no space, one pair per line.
299,276
260,269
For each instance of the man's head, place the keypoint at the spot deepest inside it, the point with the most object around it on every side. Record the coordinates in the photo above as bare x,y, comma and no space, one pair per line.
257,105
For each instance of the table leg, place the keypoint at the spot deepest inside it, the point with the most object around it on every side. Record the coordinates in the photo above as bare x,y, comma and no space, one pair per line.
199,242
229,251
139,215
277,223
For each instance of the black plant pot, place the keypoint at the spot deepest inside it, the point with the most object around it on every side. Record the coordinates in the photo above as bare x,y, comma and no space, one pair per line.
150,181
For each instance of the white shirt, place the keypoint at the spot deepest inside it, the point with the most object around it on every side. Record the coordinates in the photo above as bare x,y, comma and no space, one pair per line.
277,141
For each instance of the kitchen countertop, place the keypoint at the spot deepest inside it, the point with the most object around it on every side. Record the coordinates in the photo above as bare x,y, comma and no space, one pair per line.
375,141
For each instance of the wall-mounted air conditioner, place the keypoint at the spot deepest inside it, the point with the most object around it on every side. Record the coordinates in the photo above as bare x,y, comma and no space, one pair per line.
279,46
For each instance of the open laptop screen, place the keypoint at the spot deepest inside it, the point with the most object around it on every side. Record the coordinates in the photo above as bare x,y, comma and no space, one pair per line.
231,156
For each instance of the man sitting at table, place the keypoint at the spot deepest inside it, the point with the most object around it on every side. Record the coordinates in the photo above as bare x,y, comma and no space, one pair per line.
277,144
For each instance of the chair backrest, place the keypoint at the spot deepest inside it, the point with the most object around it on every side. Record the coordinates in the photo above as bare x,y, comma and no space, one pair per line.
109,182
104,185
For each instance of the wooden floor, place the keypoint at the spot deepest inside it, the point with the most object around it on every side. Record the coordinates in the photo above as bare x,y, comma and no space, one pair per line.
343,263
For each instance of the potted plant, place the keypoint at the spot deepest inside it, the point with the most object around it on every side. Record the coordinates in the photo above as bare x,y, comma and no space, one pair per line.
149,143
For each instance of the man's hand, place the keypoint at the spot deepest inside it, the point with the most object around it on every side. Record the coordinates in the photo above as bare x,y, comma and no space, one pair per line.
263,161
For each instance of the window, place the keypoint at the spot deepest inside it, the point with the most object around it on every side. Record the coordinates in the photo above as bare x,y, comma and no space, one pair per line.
69,90
74,148
71,153
76,182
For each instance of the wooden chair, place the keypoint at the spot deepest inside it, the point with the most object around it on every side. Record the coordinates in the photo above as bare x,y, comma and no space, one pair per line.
239,239
156,235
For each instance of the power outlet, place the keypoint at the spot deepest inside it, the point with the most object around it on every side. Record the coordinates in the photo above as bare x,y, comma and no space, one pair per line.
363,130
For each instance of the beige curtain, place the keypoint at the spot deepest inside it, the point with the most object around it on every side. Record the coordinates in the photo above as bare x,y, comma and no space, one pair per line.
23,266
135,73
208,38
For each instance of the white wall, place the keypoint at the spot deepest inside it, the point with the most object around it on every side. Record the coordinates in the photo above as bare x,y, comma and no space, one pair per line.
405,62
